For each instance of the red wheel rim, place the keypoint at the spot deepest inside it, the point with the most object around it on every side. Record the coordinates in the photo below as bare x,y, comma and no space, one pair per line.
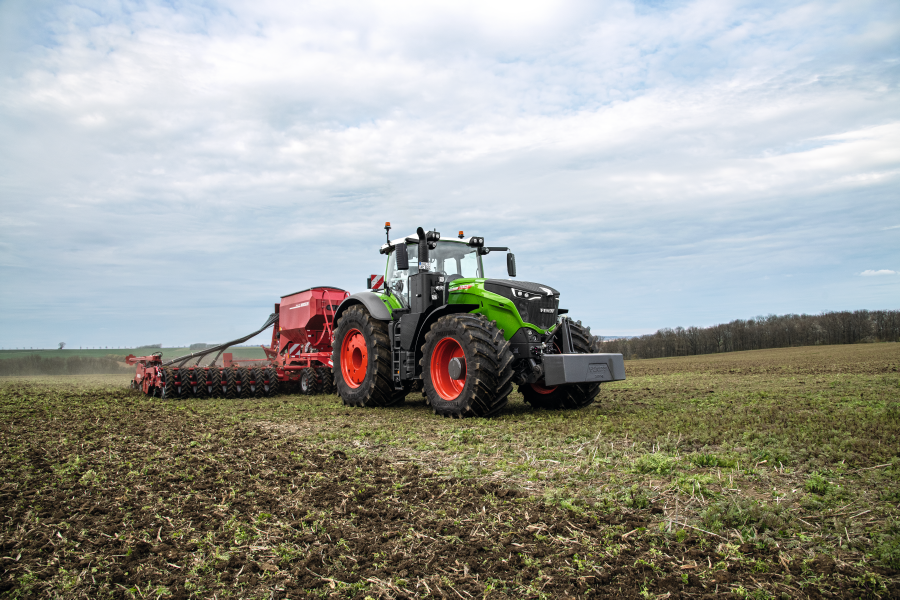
540,389
447,387
354,358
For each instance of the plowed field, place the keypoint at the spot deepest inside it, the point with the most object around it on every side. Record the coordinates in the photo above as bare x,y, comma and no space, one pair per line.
754,475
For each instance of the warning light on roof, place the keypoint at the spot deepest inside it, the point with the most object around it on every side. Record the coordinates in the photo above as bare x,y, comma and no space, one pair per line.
460,234
387,224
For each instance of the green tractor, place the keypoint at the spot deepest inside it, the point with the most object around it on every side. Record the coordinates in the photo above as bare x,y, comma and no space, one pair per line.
434,321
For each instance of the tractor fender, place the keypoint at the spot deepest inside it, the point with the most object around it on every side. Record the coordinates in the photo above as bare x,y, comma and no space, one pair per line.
425,324
370,300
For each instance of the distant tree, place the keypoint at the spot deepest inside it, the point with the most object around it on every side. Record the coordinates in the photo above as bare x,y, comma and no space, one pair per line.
772,331
62,345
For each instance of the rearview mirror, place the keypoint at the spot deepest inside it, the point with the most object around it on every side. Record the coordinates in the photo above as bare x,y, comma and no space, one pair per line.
402,258
511,264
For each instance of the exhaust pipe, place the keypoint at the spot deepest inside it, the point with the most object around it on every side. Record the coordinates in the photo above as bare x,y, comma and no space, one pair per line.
424,265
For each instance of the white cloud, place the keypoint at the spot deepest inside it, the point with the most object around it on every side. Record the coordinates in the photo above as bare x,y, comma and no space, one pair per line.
873,273
236,149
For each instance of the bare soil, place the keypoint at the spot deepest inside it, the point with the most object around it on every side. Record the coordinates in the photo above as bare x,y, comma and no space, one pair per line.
106,493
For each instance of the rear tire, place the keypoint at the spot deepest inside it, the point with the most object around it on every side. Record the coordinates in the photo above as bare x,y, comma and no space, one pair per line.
362,359
486,362
570,396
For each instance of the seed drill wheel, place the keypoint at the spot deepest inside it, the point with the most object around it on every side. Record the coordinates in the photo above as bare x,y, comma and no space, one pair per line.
573,395
309,382
244,376
256,382
467,366
327,379
362,360
167,389
272,382
201,390
214,375
183,387
232,379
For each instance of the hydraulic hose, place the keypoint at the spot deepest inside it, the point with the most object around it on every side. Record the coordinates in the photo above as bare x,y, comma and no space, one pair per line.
221,347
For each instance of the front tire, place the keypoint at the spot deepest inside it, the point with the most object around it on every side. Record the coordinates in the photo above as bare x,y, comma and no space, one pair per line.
362,359
483,363
570,396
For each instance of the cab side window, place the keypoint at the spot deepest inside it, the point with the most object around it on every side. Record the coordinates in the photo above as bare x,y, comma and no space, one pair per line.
398,280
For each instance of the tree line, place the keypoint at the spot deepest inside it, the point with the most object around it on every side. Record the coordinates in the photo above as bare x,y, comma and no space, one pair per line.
773,331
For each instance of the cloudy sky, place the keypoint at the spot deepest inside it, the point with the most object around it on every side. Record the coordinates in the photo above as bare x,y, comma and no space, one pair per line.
168,170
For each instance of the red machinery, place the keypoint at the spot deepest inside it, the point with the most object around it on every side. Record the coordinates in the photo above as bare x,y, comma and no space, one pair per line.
299,355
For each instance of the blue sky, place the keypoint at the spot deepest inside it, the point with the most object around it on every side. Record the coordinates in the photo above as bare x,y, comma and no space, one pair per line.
168,170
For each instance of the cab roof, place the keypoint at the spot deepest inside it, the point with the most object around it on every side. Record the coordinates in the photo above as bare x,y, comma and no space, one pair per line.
414,239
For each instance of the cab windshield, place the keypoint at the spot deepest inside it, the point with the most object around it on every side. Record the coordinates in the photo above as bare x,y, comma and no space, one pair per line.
454,260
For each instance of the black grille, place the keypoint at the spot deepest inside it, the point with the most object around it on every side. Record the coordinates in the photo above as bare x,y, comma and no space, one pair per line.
530,311
529,308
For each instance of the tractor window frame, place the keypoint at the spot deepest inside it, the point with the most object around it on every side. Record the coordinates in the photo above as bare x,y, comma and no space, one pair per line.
392,275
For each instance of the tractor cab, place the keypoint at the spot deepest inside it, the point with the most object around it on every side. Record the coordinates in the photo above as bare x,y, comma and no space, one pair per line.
451,258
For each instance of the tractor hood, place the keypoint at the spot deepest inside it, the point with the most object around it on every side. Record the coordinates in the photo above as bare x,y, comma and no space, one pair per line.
537,303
